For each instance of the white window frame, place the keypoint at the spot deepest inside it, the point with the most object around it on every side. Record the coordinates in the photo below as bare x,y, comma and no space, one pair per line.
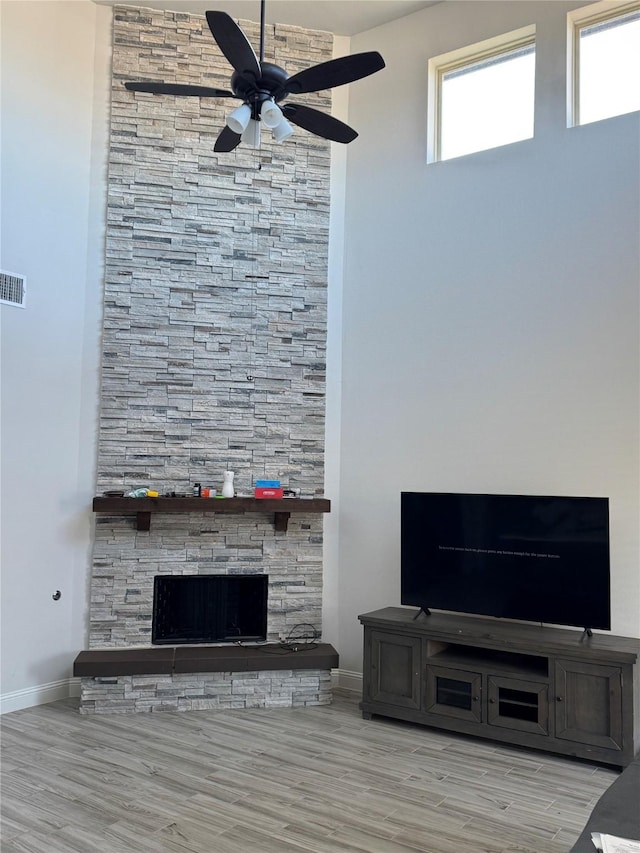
438,66
577,20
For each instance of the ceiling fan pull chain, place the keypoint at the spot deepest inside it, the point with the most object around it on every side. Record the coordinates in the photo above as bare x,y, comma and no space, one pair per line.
252,278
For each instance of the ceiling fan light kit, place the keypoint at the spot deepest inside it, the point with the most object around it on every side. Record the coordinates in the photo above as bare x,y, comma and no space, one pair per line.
270,114
238,120
251,134
282,131
262,85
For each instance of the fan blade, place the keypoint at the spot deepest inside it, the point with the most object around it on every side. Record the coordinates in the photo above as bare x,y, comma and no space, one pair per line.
178,89
335,72
234,45
227,140
319,123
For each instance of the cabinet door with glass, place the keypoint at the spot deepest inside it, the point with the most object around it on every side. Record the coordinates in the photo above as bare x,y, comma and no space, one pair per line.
517,704
454,693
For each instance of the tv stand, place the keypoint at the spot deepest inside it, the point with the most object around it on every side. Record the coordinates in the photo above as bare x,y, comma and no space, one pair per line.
424,611
543,688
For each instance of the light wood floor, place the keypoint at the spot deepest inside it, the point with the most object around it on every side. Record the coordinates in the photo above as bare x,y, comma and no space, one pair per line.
278,781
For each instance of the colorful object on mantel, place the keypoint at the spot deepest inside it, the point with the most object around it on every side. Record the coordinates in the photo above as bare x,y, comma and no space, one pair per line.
268,489
268,493
143,493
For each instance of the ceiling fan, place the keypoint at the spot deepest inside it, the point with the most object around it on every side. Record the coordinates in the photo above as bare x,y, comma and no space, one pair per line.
262,85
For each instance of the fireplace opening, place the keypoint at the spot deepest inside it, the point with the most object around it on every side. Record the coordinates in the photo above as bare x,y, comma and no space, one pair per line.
209,608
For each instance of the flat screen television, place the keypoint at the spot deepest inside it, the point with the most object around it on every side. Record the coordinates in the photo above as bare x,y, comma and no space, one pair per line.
539,559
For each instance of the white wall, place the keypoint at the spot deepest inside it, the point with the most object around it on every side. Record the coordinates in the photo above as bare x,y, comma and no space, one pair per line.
490,309
53,156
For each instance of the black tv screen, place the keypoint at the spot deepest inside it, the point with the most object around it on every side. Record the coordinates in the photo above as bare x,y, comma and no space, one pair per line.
539,559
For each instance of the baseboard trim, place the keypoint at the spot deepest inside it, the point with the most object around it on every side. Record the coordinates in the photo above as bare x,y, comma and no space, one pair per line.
40,694
347,680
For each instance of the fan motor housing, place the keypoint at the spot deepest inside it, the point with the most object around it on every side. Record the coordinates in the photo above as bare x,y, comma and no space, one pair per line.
270,85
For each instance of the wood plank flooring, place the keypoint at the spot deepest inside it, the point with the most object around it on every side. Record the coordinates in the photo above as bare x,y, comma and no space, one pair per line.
278,781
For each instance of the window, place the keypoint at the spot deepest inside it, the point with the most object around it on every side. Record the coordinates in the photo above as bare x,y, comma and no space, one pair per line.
482,96
605,52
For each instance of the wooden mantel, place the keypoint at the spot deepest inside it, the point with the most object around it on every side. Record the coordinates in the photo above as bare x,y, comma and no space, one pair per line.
143,507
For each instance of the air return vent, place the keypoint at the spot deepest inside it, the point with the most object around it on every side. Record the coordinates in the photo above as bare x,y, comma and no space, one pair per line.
13,289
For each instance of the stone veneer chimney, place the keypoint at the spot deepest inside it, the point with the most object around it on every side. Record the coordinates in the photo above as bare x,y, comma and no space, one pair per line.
213,341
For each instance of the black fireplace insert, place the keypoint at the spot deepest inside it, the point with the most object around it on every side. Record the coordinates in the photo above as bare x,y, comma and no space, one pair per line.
209,608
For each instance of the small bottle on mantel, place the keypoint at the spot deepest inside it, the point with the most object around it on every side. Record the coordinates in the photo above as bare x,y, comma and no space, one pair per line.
228,490
196,490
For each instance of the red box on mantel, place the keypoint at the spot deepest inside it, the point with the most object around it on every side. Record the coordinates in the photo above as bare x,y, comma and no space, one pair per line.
268,493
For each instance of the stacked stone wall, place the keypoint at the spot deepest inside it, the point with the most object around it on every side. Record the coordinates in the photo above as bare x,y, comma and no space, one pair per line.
213,691
214,326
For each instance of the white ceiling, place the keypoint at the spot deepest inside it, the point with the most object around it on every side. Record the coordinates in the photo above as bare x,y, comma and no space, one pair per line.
340,17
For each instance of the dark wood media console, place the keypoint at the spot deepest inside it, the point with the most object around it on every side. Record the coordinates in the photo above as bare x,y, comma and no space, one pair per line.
544,688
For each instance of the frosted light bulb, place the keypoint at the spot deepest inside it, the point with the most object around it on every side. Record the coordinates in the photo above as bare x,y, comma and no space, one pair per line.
239,118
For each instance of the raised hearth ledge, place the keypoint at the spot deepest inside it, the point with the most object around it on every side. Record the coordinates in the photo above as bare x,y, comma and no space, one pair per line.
167,660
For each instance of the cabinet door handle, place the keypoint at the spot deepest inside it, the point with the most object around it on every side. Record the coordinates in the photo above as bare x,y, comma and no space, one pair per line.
476,698
559,699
